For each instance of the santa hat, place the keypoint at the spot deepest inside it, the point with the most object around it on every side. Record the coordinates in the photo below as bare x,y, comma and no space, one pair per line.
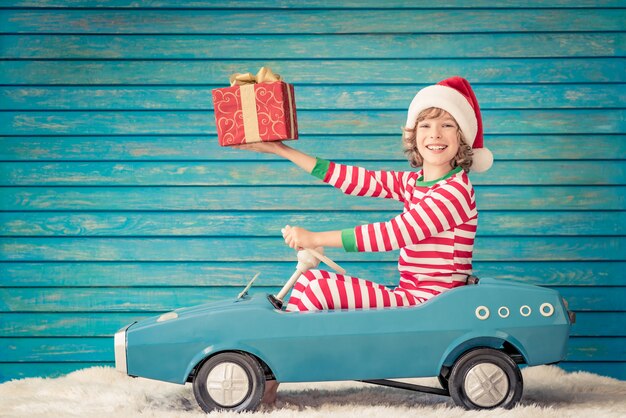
455,96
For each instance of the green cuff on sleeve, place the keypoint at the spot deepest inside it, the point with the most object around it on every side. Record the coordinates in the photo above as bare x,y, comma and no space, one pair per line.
321,168
348,239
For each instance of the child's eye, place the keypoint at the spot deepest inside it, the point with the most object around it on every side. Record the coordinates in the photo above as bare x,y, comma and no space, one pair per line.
424,125
448,125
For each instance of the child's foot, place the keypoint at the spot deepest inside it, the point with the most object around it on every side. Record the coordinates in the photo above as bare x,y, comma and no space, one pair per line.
269,396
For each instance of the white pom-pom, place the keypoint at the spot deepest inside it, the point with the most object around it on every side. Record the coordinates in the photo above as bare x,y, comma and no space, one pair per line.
482,160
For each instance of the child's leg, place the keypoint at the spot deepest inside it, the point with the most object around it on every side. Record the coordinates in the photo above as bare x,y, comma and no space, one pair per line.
321,290
303,283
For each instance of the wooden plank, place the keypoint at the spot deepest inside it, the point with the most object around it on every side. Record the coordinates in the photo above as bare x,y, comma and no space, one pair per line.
309,97
310,122
310,4
370,147
164,274
259,224
162,299
285,173
506,45
594,298
484,70
591,324
597,349
114,299
308,21
314,197
100,324
273,249
76,324
571,273
89,349
11,371
40,350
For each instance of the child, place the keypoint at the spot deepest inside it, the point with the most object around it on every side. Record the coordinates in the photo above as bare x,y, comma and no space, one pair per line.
435,232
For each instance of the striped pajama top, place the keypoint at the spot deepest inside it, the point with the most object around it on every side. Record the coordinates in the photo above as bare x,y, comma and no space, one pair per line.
434,233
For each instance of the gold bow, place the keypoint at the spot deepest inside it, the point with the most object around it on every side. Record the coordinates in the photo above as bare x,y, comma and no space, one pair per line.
263,76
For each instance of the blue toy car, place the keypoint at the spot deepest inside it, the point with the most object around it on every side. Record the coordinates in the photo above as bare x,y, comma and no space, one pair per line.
472,337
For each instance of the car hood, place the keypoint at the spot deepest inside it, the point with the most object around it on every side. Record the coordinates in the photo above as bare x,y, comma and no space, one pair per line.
203,310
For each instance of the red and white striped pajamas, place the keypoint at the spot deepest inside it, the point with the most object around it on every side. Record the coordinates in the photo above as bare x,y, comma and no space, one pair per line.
434,233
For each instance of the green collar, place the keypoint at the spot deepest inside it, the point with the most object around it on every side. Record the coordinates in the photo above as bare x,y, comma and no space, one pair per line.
420,181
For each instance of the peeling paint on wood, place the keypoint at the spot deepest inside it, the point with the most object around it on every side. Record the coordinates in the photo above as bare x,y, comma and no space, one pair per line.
400,46
309,21
411,72
315,198
207,273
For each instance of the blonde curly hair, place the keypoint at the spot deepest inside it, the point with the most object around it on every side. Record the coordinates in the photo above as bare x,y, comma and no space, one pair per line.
463,157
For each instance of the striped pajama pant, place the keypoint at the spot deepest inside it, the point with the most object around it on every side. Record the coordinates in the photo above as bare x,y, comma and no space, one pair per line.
322,290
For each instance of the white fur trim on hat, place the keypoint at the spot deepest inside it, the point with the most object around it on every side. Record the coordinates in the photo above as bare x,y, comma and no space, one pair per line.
482,160
451,101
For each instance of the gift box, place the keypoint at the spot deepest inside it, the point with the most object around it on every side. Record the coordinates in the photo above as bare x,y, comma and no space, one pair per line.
254,109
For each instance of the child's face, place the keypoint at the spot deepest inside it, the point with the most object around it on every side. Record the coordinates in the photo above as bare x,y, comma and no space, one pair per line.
437,140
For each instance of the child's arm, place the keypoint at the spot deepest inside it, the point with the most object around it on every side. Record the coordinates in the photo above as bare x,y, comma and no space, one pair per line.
298,238
355,181
450,206
358,181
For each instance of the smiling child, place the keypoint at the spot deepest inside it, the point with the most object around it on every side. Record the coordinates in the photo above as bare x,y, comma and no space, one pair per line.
435,232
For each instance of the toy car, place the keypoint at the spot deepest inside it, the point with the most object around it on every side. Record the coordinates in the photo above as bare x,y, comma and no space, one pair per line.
471,337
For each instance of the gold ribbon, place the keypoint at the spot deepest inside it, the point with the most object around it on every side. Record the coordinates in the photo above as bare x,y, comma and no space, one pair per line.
265,75
248,99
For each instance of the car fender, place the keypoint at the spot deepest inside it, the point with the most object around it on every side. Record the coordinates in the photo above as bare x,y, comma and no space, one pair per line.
473,340
212,350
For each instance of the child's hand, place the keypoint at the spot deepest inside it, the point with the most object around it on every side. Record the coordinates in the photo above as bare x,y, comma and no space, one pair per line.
264,147
298,238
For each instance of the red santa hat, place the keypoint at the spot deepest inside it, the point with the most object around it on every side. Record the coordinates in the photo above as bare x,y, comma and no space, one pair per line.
455,96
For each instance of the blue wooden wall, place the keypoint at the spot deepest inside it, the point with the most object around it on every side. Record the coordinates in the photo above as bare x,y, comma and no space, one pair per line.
117,203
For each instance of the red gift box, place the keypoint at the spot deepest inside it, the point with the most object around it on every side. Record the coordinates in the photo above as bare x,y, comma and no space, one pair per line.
254,109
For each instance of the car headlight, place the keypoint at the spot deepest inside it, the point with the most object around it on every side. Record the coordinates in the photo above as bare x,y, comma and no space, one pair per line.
167,316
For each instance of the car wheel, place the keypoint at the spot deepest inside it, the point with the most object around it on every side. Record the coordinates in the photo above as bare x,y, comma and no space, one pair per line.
484,379
229,381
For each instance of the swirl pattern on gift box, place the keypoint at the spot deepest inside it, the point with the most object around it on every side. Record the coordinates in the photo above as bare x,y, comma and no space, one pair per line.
229,124
270,111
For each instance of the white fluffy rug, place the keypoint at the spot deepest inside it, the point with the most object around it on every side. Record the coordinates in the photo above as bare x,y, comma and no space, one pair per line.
103,392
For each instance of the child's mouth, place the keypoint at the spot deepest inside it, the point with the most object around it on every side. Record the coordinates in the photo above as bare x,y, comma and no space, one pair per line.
436,147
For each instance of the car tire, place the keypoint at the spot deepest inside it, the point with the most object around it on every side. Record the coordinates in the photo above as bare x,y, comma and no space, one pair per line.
229,381
485,378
